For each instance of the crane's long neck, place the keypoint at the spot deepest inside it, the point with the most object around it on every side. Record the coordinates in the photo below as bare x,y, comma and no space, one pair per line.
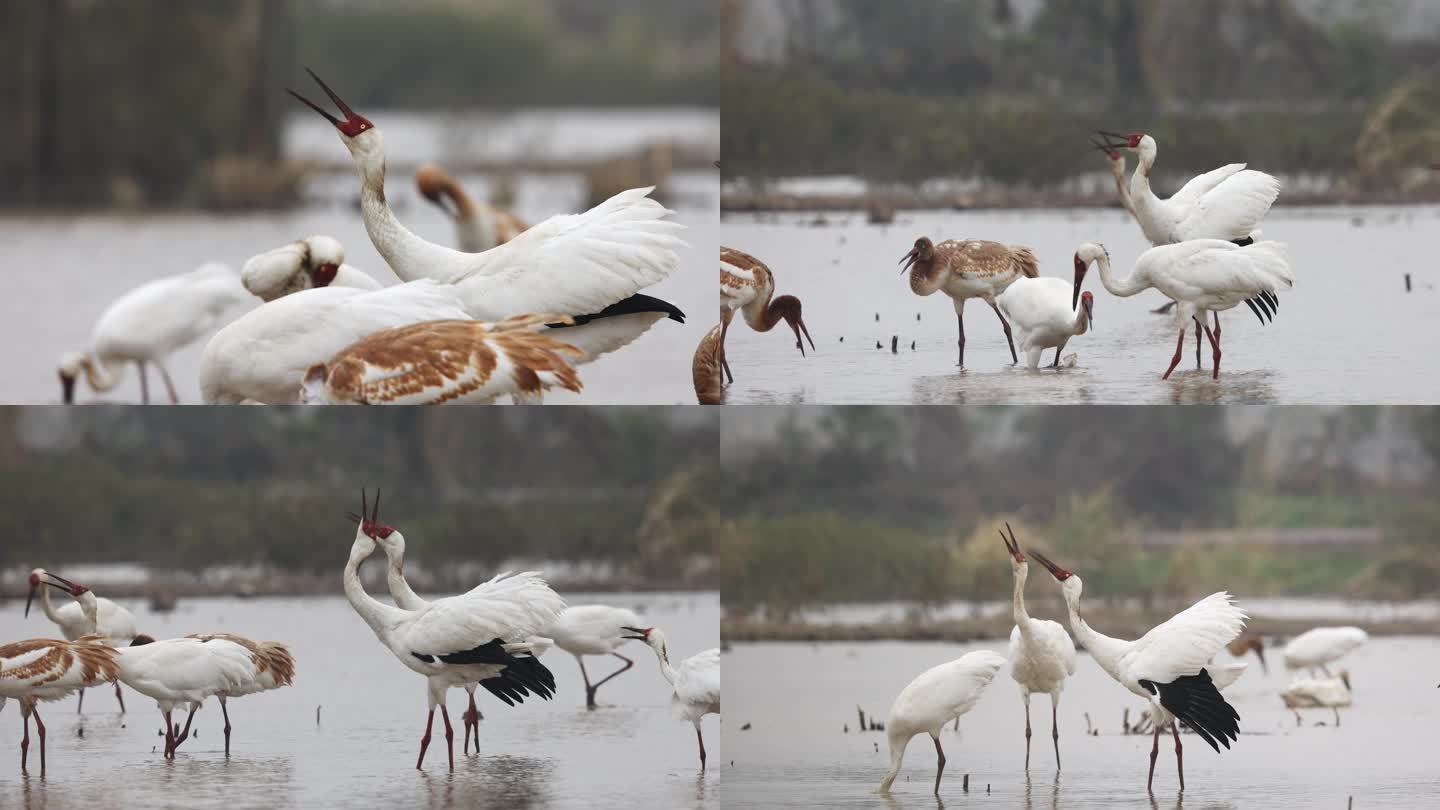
1022,617
380,616
926,276
897,754
662,653
1141,196
1122,287
764,316
49,607
1081,323
411,257
1105,650
395,578
101,377
1117,170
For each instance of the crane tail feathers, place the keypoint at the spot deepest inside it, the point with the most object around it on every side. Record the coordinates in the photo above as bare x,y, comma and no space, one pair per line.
1195,701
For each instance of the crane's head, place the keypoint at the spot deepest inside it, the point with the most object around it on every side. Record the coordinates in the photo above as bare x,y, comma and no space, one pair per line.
326,256
1086,255
923,251
651,636
788,307
1070,584
370,525
1087,300
71,364
437,186
1120,140
40,578
1017,559
356,132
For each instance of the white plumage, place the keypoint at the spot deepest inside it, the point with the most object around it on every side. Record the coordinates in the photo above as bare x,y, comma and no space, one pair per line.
1039,308
696,680
1042,655
113,623
49,669
316,261
1166,666
575,264
184,672
1225,203
583,630
937,696
1319,693
490,634
264,355
148,324
1202,276
1315,649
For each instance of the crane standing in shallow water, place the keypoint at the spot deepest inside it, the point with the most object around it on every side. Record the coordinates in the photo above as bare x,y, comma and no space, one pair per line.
1042,655
965,269
934,698
746,285
696,680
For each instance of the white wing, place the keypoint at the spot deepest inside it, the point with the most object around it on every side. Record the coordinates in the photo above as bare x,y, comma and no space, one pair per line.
1231,210
163,315
943,692
1322,645
113,622
594,627
1035,303
575,264
1223,675
697,682
1214,273
1186,643
1202,184
510,608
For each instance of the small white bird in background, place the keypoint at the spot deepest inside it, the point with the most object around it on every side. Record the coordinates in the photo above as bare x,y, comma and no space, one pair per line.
937,696
1166,666
1042,655
1315,649
696,680
316,261
478,226
1202,276
266,353
448,362
113,623
148,324
1319,693
590,266
1039,309
585,630
489,635
49,669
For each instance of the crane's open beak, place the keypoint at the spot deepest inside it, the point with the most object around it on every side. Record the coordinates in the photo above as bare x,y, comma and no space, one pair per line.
1122,141
353,125
67,587
1011,544
1081,268
1056,571
1089,304
909,259
1111,150
641,633
799,326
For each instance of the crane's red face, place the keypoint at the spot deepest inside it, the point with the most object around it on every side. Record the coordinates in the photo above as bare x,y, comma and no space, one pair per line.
1012,545
637,633
353,125
323,274
371,525
1087,300
1056,571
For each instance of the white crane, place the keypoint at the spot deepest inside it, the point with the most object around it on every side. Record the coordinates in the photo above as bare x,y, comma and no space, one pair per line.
1166,666
1202,276
114,623
45,669
393,544
585,630
315,261
483,635
272,665
478,226
1222,675
1317,648
1042,655
1226,203
965,269
590,266
747,285
148,324
447,362
1319,693
265,354
934,698
1036,308
696,681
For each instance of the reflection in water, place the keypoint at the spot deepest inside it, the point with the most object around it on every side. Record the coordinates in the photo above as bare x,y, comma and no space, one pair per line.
1054,793
503,781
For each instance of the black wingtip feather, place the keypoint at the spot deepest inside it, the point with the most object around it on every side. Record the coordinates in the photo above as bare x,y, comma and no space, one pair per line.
523,674
1195,701
630,306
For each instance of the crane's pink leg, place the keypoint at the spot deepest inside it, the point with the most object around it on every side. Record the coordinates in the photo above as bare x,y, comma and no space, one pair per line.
449,735
940,766
724,360
25,741
169,735
1215,345
1014,358
40,727
184,735
590,690
1027,733
960,319
226,712
1197,347
169,386
120,697
465,719
1155,750
1175,361
144,385
79,707
425,740
1055,729
1179,757
701,739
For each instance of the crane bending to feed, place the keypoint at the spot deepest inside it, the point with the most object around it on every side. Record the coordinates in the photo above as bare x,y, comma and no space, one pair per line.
315,261
113,623
696,680
1167,665
148,324
590,266
1202,276
1036,307
937,696
747,285
1042,655
585,630
488,635
478,226
965,269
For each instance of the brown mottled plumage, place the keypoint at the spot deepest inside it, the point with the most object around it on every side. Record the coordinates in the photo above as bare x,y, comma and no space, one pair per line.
480,226
706,369
747,285
268,656
969,268
444,361
54,669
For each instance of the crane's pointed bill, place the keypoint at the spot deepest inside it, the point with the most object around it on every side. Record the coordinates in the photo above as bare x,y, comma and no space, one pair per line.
30,598
339,102
375,512
316,107
1089,303
799,326
640,634
1080,269
1056,571
1109,149
909,259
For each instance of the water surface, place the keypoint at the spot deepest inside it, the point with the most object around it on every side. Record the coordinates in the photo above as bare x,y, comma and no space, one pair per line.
632,751
1347,333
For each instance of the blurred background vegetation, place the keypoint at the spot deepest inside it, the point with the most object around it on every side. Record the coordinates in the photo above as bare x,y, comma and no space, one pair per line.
148,99
618,492
861,504
1006,91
